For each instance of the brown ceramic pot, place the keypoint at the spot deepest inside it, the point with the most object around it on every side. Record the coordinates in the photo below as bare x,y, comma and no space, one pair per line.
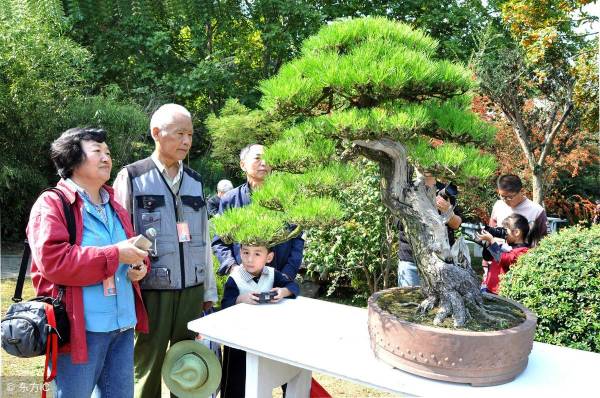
477,358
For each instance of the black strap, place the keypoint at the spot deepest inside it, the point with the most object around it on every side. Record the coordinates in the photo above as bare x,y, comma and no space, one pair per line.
68,210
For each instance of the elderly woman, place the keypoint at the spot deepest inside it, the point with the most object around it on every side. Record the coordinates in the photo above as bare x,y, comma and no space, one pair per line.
100,272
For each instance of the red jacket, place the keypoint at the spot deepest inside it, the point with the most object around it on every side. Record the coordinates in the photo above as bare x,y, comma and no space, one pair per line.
497,268
55,262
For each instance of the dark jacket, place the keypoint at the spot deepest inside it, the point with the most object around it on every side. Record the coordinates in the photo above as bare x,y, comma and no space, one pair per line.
212,205
288,255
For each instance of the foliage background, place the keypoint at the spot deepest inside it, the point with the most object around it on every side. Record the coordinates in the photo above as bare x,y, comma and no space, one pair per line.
111,63
359,252
559,280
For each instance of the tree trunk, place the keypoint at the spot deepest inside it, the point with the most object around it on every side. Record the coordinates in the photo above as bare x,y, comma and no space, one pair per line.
447,279
538,186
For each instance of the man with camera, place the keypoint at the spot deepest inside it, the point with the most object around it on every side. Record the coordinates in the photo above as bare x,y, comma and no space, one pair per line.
445,201
512,200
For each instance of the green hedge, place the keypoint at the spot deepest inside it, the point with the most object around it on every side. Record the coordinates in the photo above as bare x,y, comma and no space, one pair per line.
560,281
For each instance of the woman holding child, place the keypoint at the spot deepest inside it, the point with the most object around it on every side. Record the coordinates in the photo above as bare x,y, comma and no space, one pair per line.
101,292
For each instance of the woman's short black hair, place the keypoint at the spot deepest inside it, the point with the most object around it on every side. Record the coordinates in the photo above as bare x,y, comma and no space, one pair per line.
66,151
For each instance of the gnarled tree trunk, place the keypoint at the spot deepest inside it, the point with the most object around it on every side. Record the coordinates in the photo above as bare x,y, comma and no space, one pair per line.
447,279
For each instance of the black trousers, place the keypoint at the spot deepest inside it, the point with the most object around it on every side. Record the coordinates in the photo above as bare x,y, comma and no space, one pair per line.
233,381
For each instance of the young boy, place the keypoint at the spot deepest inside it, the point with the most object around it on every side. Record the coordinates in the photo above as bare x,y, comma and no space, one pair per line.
244,285
517,231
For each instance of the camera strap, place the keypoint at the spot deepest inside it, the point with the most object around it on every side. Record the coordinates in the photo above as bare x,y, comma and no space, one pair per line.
68,210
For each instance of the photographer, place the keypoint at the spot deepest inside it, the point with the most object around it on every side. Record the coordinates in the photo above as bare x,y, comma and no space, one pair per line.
445,202
511,199
515,231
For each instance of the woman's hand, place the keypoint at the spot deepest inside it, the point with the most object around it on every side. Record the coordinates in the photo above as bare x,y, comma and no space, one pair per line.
248,298
484,236
282,292
128,253
442,204
136,274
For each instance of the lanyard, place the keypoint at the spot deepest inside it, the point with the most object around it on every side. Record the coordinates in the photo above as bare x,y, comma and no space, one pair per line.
179,207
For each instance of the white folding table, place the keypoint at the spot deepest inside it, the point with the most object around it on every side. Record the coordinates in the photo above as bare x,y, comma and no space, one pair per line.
285,342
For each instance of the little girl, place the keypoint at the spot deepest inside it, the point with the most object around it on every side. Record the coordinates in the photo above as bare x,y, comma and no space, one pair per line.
517,231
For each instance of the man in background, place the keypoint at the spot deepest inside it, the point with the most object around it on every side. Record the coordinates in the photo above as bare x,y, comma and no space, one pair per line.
288,255
445,203
212,204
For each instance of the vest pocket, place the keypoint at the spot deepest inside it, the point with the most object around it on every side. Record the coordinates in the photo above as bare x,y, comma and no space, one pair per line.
150,202
150,220
198,256
195,202
158,277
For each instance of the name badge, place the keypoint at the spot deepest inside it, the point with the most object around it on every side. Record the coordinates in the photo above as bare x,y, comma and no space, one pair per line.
110,289
183,232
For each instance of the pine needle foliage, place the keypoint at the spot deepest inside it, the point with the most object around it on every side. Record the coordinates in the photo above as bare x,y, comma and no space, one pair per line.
251,225
236,127
360,79
300,148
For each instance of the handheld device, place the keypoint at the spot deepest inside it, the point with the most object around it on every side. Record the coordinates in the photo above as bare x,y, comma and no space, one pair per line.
142,243
266,297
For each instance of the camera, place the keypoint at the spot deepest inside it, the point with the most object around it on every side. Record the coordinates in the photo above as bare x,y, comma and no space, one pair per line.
449,191
266,297
470,231
496,232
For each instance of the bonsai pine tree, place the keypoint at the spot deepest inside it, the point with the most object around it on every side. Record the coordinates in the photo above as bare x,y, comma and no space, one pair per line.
372,87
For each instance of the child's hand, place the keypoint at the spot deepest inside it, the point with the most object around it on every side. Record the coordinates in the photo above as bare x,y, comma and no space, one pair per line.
484,236
281,293
248,298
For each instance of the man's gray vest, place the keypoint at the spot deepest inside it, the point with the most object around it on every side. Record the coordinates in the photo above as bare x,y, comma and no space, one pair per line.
176,265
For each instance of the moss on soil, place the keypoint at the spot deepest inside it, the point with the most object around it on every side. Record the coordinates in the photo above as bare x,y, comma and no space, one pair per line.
394,302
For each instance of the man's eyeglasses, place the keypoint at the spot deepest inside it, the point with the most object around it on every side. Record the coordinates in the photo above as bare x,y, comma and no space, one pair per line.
508,197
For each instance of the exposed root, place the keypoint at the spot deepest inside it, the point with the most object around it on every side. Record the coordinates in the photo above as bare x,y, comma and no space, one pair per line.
427,304
444,311
497,317
500,314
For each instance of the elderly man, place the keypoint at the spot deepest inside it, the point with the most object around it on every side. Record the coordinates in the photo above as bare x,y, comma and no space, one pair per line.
288,255
166,202
213,202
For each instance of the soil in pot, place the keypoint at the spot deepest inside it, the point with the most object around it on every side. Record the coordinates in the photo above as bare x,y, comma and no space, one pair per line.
403,303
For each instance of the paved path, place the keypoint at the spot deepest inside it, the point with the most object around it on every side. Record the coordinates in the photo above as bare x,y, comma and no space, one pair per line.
9,265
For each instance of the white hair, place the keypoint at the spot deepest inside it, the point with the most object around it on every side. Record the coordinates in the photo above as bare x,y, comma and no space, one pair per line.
224,186
246,149
164,115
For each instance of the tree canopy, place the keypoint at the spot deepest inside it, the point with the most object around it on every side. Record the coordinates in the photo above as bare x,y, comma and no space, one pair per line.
359,79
